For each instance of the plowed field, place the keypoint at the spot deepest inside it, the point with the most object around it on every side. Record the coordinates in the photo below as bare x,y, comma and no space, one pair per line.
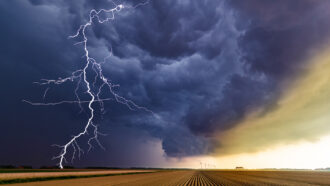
196,178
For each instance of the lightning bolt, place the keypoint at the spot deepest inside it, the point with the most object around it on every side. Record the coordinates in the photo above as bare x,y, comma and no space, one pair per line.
81,77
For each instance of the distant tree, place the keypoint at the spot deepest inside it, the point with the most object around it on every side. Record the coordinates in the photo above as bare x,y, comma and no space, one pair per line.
68,167
25,167
7,167
49,167
102,168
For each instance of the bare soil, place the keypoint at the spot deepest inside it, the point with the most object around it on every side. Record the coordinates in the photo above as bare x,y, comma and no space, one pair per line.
6,176
195,178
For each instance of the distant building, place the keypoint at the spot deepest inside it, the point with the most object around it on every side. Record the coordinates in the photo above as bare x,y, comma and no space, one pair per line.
239,167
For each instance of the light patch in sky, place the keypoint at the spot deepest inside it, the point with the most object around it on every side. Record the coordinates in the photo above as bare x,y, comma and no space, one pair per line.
303,155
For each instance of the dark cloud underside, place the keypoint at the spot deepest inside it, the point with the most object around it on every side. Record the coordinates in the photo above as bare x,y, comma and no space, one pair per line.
200,65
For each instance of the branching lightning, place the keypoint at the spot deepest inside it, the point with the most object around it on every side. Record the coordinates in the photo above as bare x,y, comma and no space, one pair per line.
81,77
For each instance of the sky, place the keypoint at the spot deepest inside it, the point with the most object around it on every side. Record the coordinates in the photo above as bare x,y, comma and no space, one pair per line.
229,83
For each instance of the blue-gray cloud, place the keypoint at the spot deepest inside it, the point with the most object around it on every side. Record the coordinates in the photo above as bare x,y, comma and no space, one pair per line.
200,65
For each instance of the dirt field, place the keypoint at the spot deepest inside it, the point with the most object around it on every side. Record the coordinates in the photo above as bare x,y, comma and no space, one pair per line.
6,176
187,178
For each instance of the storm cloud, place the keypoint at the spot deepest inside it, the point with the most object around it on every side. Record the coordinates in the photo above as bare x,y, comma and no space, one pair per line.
201,66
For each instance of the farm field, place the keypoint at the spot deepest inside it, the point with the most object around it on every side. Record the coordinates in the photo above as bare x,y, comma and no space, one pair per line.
31,175
194,178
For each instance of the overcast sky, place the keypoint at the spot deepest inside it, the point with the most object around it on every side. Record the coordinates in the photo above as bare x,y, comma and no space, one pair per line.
201,66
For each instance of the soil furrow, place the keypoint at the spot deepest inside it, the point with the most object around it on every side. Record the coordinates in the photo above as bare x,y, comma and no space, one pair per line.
198,178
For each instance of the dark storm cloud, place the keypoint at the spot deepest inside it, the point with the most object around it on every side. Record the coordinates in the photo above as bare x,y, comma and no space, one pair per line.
278,37
232,107
172,82
199,65
281,34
